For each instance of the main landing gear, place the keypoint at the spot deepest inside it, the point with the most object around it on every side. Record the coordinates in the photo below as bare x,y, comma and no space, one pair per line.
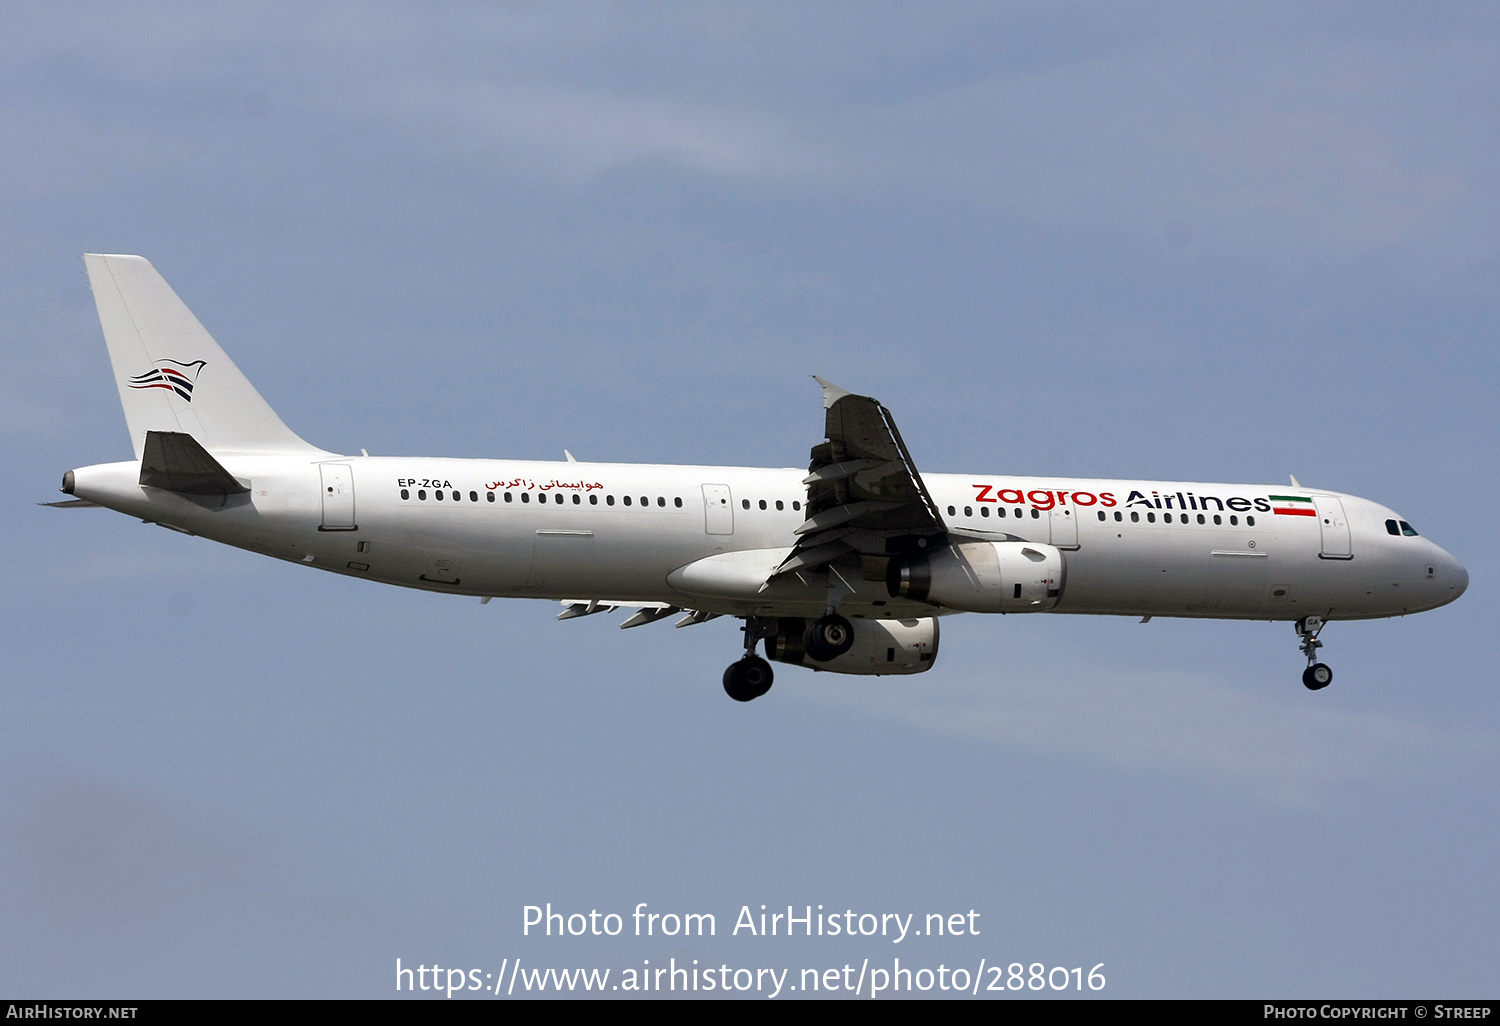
751,677
1318,675
826,638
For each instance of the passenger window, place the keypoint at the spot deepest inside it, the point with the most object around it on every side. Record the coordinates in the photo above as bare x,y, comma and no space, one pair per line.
779,504
952,512
1000,511
609,500
1390,525
406,495
645,501
525,496
968,511
1101,516
796,504
422,494
577,499
1234,521
745,503
438,495
762,503
1135,516
473,496
1150,518
677,502
627,500
593,500
1036,514
1408,530
1119,516
984,511
507,496
1200,518
456,497
1249,521
661,500
1166,518
1218,520
489,496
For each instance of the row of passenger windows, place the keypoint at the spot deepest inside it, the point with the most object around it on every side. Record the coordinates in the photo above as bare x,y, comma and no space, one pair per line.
1400,527
1135,518
745,503
557,497
984,511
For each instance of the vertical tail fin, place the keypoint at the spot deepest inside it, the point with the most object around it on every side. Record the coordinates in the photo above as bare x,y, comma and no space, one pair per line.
171,374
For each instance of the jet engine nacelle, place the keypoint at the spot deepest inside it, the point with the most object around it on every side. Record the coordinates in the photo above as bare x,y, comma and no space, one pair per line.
982,577
880,646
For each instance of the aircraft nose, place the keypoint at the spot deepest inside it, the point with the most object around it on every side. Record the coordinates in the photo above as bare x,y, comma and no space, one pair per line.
1452,574
1460,578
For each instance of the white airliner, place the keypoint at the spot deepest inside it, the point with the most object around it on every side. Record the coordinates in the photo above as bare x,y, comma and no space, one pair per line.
844,567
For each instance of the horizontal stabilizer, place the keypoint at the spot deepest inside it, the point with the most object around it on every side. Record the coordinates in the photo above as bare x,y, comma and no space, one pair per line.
175,461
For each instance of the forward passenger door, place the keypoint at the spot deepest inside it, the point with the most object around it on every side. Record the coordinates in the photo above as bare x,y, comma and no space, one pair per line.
1336,543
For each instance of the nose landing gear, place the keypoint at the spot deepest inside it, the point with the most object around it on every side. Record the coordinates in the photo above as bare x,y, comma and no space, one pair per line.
752,676
1318,675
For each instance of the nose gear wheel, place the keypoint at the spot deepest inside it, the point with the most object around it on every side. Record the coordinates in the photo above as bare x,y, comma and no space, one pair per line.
1318,675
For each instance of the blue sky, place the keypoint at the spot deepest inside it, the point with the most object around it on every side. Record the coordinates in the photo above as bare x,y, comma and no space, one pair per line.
1229,243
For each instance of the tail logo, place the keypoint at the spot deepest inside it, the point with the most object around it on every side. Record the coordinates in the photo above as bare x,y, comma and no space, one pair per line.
171,374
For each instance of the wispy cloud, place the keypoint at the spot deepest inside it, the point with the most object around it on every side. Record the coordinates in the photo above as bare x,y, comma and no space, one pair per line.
1263,141
1235,144
89,851
577,133
1275,749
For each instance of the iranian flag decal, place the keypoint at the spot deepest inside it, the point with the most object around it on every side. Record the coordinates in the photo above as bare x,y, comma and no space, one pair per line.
1292,506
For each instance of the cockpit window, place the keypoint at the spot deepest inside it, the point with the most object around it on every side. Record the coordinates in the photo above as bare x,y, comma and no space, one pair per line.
1391,528
1408,530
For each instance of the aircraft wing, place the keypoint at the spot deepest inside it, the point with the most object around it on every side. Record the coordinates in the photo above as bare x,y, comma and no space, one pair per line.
864,495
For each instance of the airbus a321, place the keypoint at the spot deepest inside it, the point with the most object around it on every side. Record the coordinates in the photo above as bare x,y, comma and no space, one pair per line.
847,566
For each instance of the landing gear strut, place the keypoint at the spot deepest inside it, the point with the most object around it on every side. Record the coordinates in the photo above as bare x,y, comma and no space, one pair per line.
751,677
1318,675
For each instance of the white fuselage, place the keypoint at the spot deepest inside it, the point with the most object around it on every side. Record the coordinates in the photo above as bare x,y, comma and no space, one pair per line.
622,533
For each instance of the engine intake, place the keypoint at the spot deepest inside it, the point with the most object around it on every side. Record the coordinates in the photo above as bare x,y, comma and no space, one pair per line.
982,577
880,646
